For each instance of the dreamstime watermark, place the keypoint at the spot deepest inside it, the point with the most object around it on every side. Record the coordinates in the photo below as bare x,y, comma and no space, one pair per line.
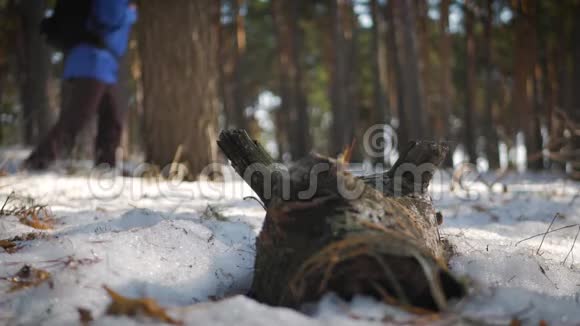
379,141
146,180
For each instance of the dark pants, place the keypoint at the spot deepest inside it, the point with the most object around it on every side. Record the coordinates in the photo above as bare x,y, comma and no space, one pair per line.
86,98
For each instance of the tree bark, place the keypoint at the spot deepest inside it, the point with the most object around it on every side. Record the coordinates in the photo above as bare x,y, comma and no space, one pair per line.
425,70
343,128
491,141
470,86
231,54
239,49
178,47
414,91
222,48
3,71
35,66
548,86
326,230
575,109
555,68
379,89
396,55
294,106
525,61
442,129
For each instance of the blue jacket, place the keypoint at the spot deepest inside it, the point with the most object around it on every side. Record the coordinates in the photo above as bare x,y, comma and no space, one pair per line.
113,20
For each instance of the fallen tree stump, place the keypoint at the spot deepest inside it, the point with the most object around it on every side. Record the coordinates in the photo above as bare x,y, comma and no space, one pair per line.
326,230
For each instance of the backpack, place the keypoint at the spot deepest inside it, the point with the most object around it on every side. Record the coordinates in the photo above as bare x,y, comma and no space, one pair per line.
67,26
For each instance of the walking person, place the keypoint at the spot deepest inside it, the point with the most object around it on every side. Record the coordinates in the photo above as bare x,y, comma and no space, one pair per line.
93,52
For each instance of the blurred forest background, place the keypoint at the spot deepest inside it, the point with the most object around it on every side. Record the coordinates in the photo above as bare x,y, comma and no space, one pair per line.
498,79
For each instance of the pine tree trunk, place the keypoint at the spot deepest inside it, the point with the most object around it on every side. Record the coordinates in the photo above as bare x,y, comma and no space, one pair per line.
548,88
575,109
35,64
178,47
491,142
379,111
396,55
525,61
294,106
343,128
3,70
557,66
414,92
442,130
423,48
222,55
470,87
239,49
226,35
375,235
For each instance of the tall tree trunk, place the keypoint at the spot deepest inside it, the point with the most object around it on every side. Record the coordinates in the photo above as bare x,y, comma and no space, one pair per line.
379,102
395,54
125,82
180,81
135,107
565,68
558,67
226,109
423,48
548,86
231,51
575,109
3,70
387,58
525,61
489,127
416,117
470,86
239,49
343,107
35,64
294,106
442,129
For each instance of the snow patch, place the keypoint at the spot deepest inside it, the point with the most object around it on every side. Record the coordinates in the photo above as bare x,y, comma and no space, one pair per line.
188,244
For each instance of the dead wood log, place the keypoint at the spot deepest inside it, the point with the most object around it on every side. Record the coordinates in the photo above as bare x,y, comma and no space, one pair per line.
326,230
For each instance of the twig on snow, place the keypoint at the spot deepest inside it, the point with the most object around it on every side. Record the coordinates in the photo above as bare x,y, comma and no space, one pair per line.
548,230
6,202
543,271
540,234
574,243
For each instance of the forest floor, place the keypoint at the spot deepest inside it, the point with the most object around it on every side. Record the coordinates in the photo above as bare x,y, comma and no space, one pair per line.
190,248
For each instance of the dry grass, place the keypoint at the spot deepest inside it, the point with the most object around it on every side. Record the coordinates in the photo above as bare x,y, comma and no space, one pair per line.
376,246
16,243
28,213
27,277
123,306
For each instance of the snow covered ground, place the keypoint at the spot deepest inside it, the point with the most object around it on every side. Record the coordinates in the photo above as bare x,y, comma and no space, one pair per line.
186,245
